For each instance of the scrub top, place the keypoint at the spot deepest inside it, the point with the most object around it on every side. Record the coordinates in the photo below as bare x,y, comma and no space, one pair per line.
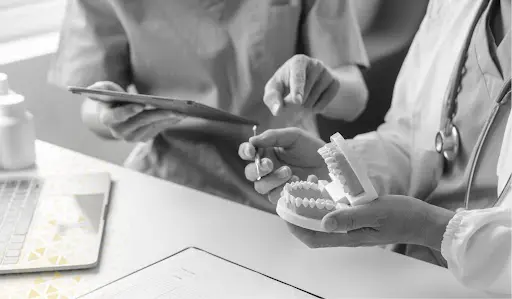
219,53
400,155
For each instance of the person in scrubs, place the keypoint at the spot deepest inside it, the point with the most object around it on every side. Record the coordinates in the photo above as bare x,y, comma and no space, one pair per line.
420,193
219,53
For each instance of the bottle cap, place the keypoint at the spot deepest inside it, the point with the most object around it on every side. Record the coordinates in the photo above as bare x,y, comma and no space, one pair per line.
4,84
12,105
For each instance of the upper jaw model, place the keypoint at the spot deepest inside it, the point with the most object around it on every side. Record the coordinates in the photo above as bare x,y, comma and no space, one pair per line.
305,203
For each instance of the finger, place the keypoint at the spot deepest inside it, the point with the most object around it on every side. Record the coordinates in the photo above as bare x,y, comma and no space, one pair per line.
110,116
321,84
273,180
105,85
298,77
247,151
312,178
274,92
275,194
266,167
315,239
327,96
355,238
150,131
143,119
349,219
313,72
285,138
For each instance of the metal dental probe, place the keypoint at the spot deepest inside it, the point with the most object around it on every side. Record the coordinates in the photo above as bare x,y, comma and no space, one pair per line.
257,160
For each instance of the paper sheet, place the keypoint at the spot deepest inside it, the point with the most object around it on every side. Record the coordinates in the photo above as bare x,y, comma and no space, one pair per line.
194,274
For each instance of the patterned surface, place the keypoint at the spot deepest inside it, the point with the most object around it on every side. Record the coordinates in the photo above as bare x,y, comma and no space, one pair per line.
60,235
55,241
52,286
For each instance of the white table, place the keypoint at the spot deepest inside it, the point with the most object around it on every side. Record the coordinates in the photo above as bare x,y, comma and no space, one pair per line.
150,219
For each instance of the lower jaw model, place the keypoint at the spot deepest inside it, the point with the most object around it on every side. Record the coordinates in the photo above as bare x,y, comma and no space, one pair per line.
305,203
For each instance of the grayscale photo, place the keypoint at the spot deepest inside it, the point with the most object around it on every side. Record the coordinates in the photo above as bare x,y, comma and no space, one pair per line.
231,149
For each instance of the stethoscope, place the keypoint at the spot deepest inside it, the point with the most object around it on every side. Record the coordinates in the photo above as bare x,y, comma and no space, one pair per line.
447,140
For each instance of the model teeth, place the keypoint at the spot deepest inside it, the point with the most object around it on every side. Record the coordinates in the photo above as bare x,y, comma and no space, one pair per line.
311,203
320,203
330,160
307,201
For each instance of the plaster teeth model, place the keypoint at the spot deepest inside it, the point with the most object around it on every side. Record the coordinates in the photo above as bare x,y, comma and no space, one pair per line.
306,199
348,174
305,204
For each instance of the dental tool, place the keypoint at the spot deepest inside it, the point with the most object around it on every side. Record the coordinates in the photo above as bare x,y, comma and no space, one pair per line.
257,159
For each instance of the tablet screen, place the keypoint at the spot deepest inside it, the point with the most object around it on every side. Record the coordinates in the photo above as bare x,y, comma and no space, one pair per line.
195,273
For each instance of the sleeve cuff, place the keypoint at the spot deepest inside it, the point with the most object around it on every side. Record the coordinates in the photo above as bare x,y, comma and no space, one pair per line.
449,237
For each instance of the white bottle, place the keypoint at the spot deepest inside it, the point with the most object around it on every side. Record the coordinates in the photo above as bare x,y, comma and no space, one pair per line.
17,132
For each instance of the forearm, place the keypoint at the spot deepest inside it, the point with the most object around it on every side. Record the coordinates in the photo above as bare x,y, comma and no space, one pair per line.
386,159
436,221
352,96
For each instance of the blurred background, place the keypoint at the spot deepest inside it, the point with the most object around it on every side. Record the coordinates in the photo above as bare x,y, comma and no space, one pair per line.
29,36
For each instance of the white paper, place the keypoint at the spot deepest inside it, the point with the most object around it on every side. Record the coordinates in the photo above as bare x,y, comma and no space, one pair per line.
194,274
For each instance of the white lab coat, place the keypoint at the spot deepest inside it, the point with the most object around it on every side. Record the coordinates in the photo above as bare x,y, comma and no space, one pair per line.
401,157
477,243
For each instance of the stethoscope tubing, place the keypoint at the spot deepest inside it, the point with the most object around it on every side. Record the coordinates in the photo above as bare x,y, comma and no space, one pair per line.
481,140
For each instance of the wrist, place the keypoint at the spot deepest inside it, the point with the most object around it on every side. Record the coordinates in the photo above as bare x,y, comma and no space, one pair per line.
351,98
437,220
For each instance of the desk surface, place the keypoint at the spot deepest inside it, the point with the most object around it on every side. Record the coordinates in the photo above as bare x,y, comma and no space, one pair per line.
150,219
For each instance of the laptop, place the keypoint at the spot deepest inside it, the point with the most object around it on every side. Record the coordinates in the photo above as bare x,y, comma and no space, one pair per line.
50,223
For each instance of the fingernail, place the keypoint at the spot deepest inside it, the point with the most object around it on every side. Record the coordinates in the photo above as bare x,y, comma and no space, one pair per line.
265,165
173,115
298,99
248,151
284,172
275,108
137,109
330,224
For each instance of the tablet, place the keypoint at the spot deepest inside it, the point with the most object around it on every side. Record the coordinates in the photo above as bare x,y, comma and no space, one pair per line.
196,273
188,108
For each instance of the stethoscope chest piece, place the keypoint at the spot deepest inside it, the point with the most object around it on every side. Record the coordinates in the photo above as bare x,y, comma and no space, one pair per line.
447,142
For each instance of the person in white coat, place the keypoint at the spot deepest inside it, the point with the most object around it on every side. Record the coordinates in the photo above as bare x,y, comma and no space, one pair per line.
421,192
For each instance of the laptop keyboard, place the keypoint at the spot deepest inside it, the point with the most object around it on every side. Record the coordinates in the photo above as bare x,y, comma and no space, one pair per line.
18,201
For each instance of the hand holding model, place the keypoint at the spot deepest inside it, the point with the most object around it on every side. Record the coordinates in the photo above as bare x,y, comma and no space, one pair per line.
347,205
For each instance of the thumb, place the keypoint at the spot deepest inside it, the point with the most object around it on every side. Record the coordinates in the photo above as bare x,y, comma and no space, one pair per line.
285,138
107,85
348,219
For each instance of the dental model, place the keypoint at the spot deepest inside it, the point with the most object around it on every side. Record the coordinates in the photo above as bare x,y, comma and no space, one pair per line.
305,203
